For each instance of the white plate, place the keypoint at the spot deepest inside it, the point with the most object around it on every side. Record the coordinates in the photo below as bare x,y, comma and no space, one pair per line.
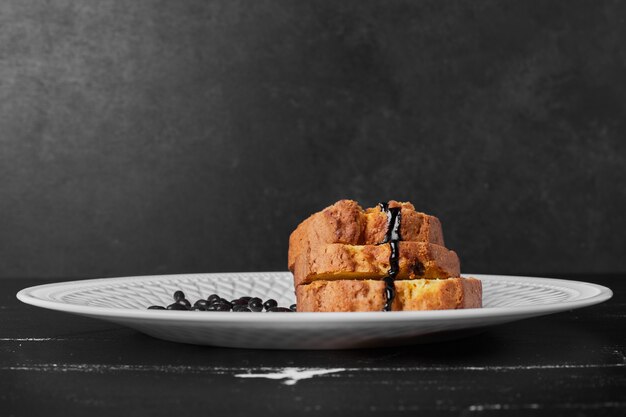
124,301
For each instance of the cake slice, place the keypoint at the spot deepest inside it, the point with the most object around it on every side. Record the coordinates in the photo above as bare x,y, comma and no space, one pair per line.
340,261
346,222
368,295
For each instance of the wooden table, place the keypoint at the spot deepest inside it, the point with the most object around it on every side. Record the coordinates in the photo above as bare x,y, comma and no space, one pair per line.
570,364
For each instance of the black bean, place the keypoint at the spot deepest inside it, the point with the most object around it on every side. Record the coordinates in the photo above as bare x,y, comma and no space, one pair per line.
245,298
280,310
241,309
293,307
239,302
179,295
213,298
176,306
201,303
184,302
156,308
222,307
271,303
255,300
255,305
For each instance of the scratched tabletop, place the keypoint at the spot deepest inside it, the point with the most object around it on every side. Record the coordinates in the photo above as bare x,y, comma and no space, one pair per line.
570,363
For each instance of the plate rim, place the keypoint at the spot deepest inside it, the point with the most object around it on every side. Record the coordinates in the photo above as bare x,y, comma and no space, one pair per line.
26,296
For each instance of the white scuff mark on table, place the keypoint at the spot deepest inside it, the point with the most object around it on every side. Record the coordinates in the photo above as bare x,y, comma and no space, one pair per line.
285,373
292,375
27,339
536,406
490,407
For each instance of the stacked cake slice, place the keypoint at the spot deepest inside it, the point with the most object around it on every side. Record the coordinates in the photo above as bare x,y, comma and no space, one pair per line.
342,258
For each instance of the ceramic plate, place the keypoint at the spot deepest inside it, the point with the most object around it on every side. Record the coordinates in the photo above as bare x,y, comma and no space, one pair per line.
124,301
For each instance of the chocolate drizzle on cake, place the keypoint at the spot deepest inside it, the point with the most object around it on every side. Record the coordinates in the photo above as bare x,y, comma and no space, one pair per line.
392,237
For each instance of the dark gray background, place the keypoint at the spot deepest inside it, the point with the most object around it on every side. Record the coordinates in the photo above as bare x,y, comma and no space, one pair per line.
142,137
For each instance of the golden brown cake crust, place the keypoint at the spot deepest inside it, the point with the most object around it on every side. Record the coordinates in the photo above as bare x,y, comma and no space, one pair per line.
368,295
346,222
339,261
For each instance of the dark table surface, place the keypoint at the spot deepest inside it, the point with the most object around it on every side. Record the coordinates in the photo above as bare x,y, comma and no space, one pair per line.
571,363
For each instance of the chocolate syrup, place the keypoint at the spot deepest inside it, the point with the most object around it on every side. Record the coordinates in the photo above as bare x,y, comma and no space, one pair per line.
392,237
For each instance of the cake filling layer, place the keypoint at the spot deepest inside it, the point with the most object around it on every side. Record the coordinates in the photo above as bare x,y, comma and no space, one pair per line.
337,261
